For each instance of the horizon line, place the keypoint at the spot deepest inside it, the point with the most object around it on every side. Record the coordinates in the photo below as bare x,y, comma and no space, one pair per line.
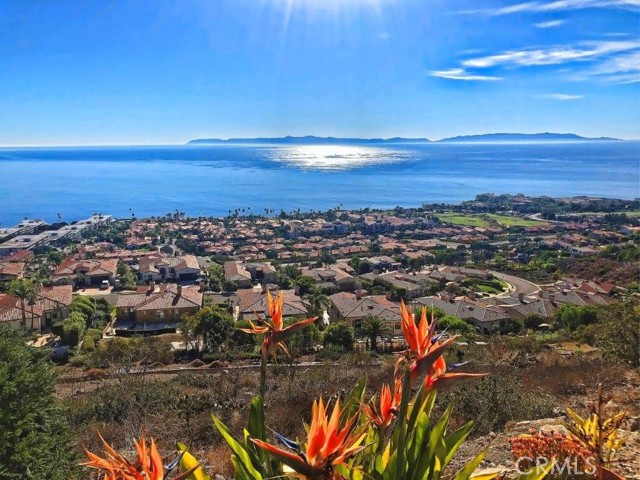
230,139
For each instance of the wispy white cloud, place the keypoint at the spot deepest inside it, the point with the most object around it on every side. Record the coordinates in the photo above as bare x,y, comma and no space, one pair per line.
623,68
610,61
462,74
550,24
558,5
553,56
563,97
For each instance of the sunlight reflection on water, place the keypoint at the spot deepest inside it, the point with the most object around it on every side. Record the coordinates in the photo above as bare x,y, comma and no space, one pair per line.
336,157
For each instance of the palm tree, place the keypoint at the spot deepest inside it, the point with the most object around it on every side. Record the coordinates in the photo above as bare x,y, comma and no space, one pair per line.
318,300
374,327
26,291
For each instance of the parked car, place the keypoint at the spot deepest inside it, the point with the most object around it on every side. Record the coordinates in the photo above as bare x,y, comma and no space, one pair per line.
104,285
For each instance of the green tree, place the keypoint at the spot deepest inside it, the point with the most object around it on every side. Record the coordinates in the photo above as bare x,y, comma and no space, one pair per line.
326,258
73,329
533,321
453,323
35,440
339,334
619,335
127,279
26,291
214,326
572,316
84,305
374,327
318,300
305,284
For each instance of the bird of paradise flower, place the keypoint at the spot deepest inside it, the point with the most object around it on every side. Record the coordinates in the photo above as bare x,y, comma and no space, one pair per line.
274,332
329,445
147,465
427,351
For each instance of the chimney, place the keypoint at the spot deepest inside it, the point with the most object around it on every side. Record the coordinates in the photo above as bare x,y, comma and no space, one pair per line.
521,297
179,290
152,286
552,298
265,289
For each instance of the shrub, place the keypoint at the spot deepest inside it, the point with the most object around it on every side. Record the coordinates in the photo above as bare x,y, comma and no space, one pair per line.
330,353
619,335
339,334
495,401
35,441
454,323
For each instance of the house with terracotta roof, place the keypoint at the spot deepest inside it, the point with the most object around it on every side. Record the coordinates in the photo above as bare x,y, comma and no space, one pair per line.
245,274
331,276
157,269
11,271
51,305
353,308
156,308
253,303
93,271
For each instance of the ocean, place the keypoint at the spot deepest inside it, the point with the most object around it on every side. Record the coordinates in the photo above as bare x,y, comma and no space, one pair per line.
214,179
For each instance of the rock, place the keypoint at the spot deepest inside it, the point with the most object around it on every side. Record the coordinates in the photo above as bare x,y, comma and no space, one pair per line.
550,429
489,472
634,424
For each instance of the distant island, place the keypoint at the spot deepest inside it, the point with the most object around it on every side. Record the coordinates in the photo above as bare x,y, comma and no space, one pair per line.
487,137
309,140
525,137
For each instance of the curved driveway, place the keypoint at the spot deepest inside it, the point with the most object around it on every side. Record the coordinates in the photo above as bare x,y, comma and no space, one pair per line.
522,286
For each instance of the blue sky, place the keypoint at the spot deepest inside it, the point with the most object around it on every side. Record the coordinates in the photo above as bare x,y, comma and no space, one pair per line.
166,71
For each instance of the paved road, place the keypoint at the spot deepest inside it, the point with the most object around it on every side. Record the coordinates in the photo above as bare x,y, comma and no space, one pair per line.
522,285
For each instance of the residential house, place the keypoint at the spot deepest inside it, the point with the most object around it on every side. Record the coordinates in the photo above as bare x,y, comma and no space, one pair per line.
236,273
253,304
51,305
331,276
156,308
94,272
157,269
541,307
244,274
406,283
11,271
485,318
353,308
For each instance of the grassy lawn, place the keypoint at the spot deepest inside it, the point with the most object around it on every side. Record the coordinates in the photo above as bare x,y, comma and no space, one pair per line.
493,286
462,219
485,220
488,289
508,221
631,213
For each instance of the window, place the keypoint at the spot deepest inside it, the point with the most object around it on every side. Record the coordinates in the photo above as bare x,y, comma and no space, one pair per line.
160,314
